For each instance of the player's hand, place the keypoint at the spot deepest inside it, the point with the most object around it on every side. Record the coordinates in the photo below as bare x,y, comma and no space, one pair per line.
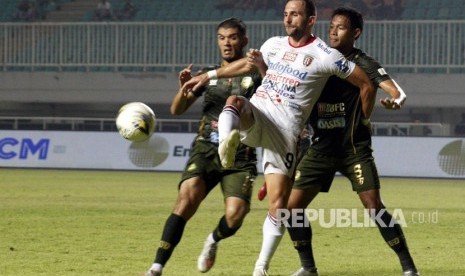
194,83
185,75
389,103
255,59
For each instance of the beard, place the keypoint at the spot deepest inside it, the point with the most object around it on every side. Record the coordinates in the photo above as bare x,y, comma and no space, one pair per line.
295,33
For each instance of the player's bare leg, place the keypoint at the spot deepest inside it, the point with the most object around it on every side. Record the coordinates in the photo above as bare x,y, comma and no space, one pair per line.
279,187
235,211
391,232
302,236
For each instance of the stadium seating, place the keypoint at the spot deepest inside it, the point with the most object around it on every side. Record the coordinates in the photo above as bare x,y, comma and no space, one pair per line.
180,10
433,10
9,9
47,44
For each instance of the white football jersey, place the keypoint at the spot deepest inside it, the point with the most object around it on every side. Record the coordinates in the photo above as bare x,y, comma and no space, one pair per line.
295,79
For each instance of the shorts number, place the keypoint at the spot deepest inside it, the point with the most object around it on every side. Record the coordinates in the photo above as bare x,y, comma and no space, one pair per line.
289,160
359,174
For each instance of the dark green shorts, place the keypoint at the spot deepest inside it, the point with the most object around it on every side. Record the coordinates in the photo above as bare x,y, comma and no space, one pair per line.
320,169
205,163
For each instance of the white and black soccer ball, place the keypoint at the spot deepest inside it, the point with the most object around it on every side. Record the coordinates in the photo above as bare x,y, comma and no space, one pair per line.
135,121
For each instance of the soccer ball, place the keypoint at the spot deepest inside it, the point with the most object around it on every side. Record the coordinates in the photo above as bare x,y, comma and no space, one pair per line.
135,121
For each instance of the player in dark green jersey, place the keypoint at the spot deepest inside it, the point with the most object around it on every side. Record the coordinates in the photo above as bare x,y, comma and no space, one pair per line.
203,170
341,142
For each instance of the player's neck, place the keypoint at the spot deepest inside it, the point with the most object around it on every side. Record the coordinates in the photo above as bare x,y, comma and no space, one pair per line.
299,42
226,62
346,51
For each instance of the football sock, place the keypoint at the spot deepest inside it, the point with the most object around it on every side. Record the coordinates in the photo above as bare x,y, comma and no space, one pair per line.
272,234
172,233
223,231
228,120
394,237
302,239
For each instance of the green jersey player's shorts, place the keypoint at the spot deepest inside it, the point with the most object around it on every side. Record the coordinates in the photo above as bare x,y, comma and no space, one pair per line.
205,163
319,169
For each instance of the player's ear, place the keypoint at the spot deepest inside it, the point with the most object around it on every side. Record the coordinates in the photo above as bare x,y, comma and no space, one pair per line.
245,41
357,33
312,20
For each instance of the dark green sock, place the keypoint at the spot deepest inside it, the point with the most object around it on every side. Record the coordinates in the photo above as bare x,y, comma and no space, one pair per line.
394,237
302,239
172,233
223,231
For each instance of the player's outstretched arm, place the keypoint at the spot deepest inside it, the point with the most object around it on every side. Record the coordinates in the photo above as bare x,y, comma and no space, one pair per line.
367,91
398,96
237,68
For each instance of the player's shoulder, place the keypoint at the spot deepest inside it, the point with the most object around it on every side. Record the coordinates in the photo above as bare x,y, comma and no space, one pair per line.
364,60
273,45
370,65
324,51
363,57
320,44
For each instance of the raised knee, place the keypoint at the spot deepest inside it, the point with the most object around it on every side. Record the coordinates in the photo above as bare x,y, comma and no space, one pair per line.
235,101
235,215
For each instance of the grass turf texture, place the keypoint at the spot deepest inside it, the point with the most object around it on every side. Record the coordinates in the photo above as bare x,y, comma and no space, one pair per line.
59,222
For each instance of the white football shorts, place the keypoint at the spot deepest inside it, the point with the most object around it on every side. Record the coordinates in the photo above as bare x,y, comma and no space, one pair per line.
279,146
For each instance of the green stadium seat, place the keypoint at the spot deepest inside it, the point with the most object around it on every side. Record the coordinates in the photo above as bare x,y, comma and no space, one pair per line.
215,15
410,4
420,13
226,13
88,16
443,13
260,14
457,4
271,15
457,13
431,13
249,15
408,13
238,13
431,3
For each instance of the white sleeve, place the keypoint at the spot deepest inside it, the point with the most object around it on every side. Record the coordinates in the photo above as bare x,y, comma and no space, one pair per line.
338,65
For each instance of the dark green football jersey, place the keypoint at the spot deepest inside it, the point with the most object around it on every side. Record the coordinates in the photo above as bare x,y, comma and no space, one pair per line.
336,117
215,95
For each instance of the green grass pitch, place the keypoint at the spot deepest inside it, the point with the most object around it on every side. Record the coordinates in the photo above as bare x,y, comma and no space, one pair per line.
60,222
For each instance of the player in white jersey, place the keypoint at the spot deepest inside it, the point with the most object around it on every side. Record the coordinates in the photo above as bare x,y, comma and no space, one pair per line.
295,69
291,85
295,78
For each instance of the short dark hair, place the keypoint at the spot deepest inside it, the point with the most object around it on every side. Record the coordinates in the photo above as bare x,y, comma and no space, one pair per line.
233,23
310,8
354,16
